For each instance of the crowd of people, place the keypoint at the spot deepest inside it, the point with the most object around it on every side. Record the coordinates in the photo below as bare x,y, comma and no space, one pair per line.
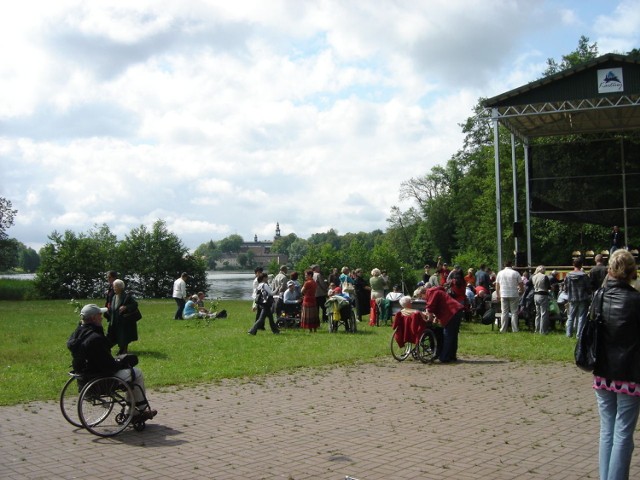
447,294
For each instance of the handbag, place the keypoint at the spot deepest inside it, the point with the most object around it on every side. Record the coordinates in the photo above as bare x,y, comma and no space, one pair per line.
133,316
348,287
586,351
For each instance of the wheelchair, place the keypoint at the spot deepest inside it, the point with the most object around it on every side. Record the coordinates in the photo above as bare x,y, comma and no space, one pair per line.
425,350
105,406
405,332
346,308
288,315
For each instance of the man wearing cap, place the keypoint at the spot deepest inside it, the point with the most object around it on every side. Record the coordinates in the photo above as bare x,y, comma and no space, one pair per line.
180,294
91,353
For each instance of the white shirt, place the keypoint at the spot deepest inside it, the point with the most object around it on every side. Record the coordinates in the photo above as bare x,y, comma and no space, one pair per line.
508,279
179,288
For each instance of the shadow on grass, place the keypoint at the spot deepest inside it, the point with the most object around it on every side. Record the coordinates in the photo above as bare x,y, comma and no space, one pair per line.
151,354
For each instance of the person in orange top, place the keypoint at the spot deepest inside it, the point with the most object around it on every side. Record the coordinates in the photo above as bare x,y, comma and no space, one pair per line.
470,278
309,318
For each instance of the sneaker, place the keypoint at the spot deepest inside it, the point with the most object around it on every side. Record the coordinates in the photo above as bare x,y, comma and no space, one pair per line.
221,314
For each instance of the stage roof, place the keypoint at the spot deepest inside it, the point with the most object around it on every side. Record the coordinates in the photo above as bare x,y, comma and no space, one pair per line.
599,96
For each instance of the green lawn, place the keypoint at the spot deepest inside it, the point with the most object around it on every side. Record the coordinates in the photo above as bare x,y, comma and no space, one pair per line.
34,359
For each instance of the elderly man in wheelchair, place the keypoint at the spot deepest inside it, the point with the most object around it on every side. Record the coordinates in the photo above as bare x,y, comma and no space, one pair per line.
107,385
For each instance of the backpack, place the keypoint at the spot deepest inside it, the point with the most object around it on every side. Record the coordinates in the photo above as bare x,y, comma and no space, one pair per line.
262,297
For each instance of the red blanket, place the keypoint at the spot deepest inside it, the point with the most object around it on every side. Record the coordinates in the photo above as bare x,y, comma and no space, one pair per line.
409,328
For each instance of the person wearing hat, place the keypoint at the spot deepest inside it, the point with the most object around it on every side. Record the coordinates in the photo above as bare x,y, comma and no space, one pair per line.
91,354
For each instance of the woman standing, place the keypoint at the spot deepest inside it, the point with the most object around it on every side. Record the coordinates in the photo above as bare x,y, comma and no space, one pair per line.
363,297
617,373
309,318
122,330
377,284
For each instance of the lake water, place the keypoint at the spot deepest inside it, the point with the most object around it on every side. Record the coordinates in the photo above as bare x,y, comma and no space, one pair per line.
230,285
224,285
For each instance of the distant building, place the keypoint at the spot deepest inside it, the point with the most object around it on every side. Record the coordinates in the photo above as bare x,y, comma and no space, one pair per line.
261,250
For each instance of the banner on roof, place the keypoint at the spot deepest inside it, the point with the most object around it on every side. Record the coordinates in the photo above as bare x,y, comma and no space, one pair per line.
610,80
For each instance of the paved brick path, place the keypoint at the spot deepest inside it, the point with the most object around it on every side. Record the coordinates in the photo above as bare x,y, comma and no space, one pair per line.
479,419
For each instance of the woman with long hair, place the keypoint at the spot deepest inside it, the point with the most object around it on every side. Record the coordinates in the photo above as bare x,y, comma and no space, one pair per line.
617,372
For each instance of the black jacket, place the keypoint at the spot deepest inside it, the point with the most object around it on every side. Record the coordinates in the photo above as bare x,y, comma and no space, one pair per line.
619,342
91,351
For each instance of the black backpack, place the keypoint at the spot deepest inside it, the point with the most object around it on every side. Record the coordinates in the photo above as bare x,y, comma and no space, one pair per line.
263,298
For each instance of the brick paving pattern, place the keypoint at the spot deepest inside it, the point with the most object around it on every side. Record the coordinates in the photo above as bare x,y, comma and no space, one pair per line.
478,419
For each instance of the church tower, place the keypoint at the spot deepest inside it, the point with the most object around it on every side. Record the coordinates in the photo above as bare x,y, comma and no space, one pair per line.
277,231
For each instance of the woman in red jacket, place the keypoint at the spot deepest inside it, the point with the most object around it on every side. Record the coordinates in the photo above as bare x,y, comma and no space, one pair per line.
449,312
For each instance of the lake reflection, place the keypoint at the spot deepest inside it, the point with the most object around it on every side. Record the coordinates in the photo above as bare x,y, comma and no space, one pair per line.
230,285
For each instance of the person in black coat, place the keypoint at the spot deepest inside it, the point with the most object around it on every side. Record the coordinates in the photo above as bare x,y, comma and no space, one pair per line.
91,357
363,295
617,370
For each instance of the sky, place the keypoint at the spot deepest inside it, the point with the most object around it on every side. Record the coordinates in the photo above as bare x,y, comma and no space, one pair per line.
224,117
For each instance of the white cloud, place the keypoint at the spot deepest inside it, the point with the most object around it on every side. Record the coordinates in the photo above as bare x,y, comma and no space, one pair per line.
225,117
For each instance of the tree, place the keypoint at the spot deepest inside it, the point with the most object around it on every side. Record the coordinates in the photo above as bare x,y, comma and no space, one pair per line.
583,53
232,243
75,265
8,248
72,266
28,258
150,261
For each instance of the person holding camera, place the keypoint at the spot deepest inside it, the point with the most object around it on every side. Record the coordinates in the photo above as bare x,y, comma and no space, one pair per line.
91,354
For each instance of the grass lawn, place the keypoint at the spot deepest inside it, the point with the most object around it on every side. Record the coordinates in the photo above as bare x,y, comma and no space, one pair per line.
34,359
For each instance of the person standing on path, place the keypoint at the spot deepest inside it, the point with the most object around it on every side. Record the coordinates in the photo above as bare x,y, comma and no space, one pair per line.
616,376
180,294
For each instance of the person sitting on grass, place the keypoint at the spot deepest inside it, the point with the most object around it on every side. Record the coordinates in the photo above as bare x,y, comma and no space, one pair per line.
91,354
194,308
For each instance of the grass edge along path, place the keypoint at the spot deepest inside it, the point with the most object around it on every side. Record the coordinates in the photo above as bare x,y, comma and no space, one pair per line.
34,360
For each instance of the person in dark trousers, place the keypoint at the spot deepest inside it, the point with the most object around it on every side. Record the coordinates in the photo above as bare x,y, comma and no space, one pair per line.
449,312
263,305
180,294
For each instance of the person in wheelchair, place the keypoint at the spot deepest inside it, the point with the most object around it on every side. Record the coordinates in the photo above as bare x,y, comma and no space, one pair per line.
291,300
91,357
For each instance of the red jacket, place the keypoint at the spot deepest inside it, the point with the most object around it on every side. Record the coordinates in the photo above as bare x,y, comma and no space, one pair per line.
441,304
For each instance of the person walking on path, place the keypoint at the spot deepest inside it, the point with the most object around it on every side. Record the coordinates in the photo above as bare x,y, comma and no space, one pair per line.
616,379
508,289
180,294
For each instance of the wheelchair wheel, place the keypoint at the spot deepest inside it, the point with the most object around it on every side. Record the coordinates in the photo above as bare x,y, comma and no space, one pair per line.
400,353
106,406
426,349
69,401
352,322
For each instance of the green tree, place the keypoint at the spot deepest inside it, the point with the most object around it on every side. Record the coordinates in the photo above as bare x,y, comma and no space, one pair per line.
72,266
150,261
8,247
28,258
583,53
232,243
